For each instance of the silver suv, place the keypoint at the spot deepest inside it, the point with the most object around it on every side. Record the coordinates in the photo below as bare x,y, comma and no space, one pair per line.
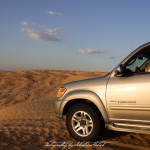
120,100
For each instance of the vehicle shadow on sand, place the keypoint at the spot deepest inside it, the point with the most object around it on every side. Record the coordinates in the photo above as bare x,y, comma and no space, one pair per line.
126,139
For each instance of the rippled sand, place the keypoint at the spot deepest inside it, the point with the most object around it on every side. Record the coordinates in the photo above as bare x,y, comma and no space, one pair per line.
27,118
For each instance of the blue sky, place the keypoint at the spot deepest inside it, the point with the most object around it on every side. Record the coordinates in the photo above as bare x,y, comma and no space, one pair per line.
85,35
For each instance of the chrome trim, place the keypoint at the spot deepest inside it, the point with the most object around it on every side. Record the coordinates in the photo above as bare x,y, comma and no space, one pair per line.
125,128
130,107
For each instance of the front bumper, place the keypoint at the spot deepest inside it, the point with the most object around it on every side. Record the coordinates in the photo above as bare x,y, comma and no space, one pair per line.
59,107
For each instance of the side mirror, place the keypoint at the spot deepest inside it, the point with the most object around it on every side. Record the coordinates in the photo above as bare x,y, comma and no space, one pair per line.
119,71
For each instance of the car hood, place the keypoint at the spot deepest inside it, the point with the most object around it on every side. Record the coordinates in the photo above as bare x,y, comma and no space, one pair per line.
88,83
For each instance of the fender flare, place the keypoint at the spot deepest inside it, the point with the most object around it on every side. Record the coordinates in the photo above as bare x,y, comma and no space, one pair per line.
88,95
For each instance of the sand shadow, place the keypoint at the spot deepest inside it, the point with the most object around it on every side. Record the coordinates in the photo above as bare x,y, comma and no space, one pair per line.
110,134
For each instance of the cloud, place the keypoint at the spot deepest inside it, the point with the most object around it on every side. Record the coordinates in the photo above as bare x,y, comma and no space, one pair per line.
49,34
52,32
38,35
91,51
24,23
112,57
52,13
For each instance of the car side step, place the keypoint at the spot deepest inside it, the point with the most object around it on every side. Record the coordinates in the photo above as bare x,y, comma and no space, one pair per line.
129,128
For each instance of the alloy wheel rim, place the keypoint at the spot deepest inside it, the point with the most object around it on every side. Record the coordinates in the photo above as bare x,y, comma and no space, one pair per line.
82,123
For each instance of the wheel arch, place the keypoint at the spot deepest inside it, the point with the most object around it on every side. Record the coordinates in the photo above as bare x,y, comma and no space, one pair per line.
87,97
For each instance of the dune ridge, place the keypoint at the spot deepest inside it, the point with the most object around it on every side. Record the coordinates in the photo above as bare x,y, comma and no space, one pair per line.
23,86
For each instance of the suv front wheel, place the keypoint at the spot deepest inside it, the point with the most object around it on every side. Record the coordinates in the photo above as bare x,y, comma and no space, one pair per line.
84,123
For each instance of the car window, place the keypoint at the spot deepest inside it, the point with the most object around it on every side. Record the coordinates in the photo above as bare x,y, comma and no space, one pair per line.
139,63
136,63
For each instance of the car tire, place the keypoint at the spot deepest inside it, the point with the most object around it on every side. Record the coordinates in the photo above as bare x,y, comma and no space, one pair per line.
84,123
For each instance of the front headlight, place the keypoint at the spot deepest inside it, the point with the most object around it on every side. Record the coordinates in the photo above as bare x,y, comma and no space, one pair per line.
61,92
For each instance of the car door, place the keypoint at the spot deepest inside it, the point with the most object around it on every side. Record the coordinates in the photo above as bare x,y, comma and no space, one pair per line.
128,96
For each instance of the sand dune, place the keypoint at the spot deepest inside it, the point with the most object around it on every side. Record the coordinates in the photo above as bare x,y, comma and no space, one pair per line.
27,119
23,86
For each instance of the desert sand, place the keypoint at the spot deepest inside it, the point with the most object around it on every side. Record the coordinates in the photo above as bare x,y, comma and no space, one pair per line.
28,121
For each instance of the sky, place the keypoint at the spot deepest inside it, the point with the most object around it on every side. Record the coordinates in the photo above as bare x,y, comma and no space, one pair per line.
80,35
